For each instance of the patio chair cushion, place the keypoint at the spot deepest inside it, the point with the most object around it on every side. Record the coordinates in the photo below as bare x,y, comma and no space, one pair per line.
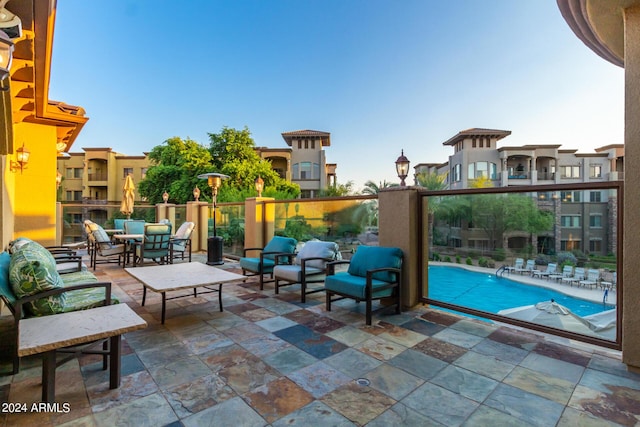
345,283
317,249
33,270
5,285
293,273
179,240
280,244
253,264
372,257
134,226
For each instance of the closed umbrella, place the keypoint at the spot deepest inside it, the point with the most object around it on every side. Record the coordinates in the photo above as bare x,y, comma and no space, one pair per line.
550,313
127,197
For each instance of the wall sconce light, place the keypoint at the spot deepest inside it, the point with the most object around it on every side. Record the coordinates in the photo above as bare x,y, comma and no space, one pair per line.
165,197
58,179
6,54
196,193
22,158
402,168
259,182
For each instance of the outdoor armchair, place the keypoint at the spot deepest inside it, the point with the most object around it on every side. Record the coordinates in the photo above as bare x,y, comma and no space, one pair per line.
375,272
181,241
103,247
263,264
309,266
155,244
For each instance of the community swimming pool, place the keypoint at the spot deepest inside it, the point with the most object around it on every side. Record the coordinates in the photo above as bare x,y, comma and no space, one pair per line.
490,293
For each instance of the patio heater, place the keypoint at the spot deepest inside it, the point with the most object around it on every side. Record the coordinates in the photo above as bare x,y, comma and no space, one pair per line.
214,244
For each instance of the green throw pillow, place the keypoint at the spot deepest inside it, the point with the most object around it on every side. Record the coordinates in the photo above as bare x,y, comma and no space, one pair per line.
33,270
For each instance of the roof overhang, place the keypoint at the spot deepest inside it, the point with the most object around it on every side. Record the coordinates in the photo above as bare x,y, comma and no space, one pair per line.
599,24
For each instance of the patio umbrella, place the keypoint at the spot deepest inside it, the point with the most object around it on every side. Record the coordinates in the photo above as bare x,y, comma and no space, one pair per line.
127,197
550,313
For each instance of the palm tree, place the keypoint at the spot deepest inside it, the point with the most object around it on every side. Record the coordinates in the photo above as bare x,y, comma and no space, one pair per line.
373,189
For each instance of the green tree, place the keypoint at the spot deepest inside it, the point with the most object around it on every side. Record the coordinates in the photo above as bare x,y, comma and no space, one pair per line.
175,166
233,153
432,181
338,190
373,189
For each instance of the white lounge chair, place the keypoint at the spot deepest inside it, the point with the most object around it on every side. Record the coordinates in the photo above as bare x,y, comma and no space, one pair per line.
528,268
551,269
517,265
611,285
593,277
578,275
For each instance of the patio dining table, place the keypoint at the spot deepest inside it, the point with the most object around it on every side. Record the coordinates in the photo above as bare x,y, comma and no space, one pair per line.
128,240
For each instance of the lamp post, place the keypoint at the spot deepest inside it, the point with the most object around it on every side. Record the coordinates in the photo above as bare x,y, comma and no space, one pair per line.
165,197
196,194
214,244
402,168
259,182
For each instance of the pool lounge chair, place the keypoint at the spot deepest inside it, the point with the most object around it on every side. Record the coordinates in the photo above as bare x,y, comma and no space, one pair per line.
517,265
593,277
551,269
567,271
610,284
529,268
578,275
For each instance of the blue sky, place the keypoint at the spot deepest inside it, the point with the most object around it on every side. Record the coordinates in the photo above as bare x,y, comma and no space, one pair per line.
380,75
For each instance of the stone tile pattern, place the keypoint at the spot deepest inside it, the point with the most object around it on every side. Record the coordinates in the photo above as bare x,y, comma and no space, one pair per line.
269,360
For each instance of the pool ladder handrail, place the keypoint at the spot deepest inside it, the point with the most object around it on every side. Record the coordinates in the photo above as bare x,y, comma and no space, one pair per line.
500,272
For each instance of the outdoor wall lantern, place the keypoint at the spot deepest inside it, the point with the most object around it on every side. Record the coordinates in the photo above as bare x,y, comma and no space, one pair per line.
6,53
196,194
22,158
58,179
402,168
165,197
259,185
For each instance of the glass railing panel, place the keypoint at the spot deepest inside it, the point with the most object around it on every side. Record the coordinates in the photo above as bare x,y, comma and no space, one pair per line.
548,258
229,226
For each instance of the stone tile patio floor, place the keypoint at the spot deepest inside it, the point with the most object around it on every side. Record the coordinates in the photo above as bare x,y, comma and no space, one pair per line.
269,360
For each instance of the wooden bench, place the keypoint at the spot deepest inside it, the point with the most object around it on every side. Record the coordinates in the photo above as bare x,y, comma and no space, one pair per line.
47,334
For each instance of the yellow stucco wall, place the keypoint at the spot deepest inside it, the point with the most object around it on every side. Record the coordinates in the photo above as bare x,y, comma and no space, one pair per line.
33,193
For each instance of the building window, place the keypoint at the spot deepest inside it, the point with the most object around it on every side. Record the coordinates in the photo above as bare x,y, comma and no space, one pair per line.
570,221
74,196
127,171
595,171
482,170
595,245
595,221
457,173
570,245
570,196
296,171
313,145
316,171
74,173
306,194
569,171
305,170
299,144
473,143
595,197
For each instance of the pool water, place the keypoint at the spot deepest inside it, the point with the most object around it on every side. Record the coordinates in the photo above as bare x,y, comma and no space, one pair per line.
490,293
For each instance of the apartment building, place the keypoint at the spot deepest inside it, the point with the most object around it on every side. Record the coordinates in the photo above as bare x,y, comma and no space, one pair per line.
586,219
304,162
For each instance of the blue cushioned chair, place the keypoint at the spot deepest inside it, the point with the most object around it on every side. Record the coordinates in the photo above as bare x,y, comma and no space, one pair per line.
155,244
375,272
282,247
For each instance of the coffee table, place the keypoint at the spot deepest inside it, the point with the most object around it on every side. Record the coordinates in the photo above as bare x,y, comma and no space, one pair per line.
176,277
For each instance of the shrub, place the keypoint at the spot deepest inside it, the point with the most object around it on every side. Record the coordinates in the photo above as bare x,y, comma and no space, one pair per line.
542,259
469,261
483,262
566,258
436,256
499,254
458,259
447,258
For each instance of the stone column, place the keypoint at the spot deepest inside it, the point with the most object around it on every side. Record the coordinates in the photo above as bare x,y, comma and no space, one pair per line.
259,221
399,225
193,215
631,208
